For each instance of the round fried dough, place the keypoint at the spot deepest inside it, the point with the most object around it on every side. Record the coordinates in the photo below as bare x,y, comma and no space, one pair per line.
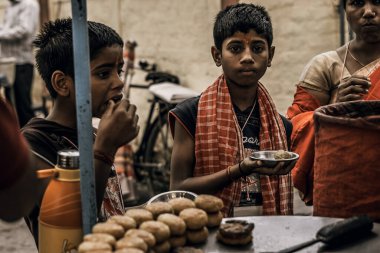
113,229
125,221
100,237
159,229
132,242
85,247
187,249
236,228
176,225
129,250
197,236
163,247
177,241
243,240
157,208
214,219
179,204
208,203
148,237
139,215
194,218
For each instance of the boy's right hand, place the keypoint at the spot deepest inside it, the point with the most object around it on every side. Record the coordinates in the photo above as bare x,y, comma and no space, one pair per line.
353,88
249,166
118,126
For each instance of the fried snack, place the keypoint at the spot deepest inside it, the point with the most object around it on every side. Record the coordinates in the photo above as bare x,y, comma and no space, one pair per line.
160,230
157,208
163,247
208,203
197,236
214,219
125,221
100,237
179,204
132,242
177,241
148,237
187,249
194,218
235,232
86,247
129,250
176,225
139,215
282,154
113,229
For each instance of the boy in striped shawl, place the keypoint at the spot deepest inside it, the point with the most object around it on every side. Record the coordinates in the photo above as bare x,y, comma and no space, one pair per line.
214,134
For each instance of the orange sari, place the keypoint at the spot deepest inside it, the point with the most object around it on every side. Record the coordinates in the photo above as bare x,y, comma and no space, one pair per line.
302,139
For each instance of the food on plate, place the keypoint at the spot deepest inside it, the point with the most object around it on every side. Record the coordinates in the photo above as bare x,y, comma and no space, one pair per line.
176,225
187,249
197,236
214,219
282,154
157,208
148,237
129,250
177,241
111,228
139,215
100,237
86,247
179,204
194,218
163,247
159,229
132,242
125,221
235,232
208,203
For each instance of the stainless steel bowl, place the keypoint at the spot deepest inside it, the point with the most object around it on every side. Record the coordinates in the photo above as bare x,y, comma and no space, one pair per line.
267,157
166,196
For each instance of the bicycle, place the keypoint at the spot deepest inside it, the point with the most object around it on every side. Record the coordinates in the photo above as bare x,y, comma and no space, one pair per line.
151,160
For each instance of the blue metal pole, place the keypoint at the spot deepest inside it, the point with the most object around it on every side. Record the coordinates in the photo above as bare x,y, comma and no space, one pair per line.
84,113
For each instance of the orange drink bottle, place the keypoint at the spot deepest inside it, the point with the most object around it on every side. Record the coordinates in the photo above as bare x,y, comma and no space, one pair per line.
60,220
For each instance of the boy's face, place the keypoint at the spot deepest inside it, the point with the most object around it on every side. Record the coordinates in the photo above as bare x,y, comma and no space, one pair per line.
105,70
244,58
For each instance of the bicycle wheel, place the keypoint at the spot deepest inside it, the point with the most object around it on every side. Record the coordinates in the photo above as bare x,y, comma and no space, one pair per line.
158,151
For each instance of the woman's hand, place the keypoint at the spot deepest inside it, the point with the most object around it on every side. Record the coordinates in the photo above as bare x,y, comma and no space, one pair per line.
352,88
249,166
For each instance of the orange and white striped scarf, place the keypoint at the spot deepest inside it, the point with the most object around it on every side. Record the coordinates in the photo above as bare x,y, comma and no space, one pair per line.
218,144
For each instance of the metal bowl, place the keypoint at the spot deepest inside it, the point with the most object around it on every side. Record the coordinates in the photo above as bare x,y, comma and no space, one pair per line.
267,157
166,196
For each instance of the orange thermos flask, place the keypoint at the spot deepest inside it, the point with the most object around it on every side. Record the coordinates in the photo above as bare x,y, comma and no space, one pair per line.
60,220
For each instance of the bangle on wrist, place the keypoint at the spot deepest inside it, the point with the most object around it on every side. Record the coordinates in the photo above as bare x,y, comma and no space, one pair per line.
101,156
228,171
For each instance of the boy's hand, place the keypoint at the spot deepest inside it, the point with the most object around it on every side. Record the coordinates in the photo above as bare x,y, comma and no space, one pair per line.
118,126
353,88
249,166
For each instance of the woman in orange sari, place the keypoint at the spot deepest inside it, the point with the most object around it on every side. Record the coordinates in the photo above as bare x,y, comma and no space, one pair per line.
351,72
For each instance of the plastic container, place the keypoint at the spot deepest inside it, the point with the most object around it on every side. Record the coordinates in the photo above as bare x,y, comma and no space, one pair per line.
60,220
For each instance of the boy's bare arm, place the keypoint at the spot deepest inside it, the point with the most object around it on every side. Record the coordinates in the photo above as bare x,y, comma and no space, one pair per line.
182,167
117,127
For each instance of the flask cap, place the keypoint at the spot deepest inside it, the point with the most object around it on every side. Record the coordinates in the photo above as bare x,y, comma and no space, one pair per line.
68,159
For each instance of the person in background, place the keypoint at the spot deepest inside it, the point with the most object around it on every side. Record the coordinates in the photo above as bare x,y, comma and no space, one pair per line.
349,73
214,134
118,119
20,24
18,181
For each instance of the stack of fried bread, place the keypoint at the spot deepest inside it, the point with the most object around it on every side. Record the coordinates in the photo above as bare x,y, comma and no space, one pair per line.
235,232
160,227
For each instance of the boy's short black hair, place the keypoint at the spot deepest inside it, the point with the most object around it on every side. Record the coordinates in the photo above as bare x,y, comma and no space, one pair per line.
54,46
242,17
344,3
